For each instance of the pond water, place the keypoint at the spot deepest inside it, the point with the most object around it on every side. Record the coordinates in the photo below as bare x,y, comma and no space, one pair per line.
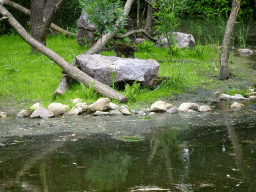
180,152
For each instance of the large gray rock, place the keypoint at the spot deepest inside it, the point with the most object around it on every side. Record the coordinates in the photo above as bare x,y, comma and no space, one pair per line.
101,68
182,40
86,30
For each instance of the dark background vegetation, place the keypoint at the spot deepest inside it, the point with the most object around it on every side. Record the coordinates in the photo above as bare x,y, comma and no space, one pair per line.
70,12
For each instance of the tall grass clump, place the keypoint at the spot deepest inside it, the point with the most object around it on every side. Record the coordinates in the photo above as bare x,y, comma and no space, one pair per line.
243,34
209,30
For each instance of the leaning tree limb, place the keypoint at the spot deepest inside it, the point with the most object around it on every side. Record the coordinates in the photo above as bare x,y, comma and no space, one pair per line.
27,12
73,72
136,31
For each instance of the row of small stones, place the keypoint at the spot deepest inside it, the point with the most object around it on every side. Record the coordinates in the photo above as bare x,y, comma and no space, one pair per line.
102,105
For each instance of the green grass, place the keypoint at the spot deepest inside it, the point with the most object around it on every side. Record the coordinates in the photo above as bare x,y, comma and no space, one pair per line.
30,77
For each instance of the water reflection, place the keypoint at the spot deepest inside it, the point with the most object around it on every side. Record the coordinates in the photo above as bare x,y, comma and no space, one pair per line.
169,158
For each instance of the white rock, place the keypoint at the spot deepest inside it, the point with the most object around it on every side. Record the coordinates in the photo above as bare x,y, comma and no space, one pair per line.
236,106
3,115
73,111
252,97
173,110
41,112
102,104
100,113
238,97
115,112
77,100
190,111
23,113
204,108
224,97
184,107
245,52
152,113
124,110
113,106
82,107
58,108
160,106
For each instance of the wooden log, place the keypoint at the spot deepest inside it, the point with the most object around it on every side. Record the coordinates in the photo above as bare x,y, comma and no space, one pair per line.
63,86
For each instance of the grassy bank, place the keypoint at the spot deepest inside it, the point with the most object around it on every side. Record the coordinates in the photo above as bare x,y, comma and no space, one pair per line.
26,78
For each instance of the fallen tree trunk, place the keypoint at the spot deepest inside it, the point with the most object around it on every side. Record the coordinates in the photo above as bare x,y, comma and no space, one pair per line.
27,12
73,72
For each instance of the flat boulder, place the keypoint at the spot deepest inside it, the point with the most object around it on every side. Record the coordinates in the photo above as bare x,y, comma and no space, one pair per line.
102,68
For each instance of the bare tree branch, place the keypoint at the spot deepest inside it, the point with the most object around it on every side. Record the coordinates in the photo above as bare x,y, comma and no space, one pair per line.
49,18
136,31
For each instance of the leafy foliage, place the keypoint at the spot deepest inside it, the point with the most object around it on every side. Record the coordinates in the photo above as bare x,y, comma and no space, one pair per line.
89,92
106,15
132,91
